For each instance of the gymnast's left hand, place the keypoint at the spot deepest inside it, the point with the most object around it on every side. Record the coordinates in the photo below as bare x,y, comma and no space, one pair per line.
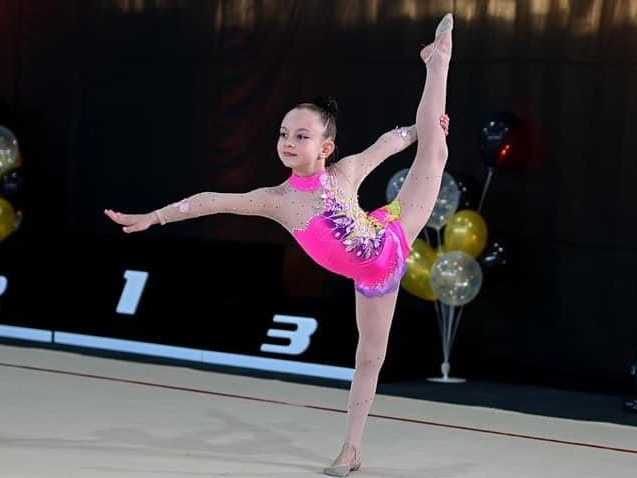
132,222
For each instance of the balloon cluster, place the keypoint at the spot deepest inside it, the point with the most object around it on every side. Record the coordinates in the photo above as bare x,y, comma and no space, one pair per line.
448,271
10,182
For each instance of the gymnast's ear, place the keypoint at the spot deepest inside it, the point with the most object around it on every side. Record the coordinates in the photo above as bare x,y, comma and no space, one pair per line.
327,148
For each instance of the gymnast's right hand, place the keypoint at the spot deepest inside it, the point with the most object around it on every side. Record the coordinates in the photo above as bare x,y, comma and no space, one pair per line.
132,222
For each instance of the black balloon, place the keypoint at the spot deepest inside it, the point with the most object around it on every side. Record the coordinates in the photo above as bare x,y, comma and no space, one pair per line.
498,137
11,184
495,254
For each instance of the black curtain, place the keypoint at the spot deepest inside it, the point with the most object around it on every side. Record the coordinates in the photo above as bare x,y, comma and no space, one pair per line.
132,104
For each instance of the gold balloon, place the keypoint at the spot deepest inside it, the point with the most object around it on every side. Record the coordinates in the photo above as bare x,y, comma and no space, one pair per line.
8,219
9,151
465,231
416,279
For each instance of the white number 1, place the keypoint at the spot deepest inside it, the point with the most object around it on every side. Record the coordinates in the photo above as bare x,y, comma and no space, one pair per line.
132,292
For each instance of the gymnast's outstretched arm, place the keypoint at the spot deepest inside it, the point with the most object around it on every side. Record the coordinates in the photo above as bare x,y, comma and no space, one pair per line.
258,202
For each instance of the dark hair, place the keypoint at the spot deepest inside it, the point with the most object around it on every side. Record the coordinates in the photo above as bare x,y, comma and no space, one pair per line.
327,108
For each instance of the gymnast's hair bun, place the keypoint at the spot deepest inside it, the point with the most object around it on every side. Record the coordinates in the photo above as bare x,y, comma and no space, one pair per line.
327,103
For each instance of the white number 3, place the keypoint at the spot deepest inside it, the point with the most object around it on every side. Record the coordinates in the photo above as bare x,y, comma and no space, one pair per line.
299,338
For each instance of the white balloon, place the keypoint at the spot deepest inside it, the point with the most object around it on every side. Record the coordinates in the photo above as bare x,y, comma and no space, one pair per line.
455,278
9,150
446,203
394,184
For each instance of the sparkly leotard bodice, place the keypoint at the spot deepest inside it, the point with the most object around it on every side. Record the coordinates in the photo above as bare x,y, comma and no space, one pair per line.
369,248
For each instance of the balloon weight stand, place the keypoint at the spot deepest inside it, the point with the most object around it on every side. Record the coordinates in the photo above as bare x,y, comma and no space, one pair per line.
444,368
448,320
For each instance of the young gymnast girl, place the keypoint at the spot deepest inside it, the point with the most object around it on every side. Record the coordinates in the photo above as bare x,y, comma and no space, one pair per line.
318,205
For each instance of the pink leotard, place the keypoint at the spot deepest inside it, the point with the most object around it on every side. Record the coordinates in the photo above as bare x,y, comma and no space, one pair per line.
369,248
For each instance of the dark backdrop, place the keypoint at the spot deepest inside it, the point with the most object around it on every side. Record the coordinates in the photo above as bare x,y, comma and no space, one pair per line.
134,104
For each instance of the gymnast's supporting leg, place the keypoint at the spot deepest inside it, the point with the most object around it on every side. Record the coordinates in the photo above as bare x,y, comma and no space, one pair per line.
417,195
420,188
373,319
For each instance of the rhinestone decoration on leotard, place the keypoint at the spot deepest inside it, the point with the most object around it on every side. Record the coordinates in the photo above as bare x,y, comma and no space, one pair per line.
360,234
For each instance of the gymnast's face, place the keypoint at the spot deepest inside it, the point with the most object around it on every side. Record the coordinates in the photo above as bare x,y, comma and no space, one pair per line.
302,144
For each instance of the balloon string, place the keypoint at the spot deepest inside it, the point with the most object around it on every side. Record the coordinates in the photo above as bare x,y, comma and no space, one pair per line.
447,328
424,230
455,327
439,315
487,182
